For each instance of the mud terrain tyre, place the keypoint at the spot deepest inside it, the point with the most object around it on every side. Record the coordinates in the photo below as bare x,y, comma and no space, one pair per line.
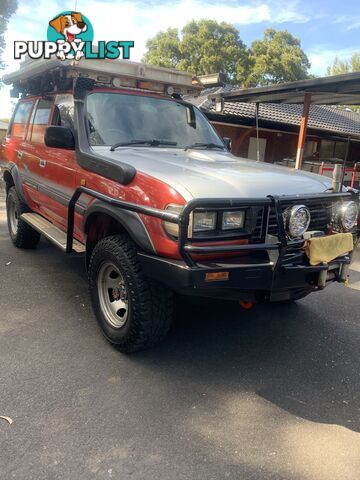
21,234
133,312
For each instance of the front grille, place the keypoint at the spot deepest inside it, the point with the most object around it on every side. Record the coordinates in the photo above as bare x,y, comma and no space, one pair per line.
320,218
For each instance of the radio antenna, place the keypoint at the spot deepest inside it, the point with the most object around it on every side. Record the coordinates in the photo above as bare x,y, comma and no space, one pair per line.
257,131
75,5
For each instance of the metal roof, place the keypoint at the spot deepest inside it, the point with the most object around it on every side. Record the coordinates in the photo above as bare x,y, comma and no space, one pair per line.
330,119
338,89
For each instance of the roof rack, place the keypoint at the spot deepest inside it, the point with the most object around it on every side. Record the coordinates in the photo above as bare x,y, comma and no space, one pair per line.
47,75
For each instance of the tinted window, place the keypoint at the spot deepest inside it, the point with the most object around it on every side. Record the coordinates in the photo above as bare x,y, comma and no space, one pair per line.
41,120
18,126
43,112
327,149
340,150
116,117
330,149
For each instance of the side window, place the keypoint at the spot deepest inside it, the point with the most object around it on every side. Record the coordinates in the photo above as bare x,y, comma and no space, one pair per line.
64,111
41,120
20,119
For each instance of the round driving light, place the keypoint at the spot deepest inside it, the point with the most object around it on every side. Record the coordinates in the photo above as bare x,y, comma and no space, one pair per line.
345,215
297,220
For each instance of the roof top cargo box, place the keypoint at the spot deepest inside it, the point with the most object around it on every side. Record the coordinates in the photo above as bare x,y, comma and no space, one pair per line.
33,75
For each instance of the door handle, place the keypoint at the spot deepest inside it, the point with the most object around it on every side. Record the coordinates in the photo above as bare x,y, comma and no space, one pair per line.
42,163
19,154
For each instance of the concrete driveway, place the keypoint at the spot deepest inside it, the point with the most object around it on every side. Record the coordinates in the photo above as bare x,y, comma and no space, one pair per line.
270,393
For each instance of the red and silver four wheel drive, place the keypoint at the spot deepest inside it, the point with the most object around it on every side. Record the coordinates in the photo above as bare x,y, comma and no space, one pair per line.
137,179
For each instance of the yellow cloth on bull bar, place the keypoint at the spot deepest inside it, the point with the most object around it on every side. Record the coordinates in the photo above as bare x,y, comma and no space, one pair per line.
325,249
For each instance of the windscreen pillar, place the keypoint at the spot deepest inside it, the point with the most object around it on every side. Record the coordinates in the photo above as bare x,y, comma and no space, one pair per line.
303,131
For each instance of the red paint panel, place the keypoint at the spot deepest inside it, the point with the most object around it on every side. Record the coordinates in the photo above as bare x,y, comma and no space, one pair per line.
143,190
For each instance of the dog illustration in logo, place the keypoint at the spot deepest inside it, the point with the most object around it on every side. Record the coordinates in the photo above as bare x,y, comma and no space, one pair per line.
69,26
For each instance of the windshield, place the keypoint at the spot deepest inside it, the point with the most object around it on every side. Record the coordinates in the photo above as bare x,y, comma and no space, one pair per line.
116,117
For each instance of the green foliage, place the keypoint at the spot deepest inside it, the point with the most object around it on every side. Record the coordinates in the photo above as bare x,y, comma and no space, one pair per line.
206,46
203,47
277,58
355,62
345,66
163,50
339,67
7,8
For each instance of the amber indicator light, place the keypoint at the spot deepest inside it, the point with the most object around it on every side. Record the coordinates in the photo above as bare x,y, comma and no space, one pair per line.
216,276
145,85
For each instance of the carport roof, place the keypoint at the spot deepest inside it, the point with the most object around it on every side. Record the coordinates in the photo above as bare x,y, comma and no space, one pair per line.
326,118
334,90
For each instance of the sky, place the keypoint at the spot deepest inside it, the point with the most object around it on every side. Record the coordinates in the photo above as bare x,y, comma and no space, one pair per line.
326,28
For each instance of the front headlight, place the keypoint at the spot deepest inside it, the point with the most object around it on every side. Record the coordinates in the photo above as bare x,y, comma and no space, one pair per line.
233,220
345,215
199,221
296,220
204,221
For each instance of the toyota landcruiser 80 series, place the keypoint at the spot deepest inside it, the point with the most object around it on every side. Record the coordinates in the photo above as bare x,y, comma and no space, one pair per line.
112,162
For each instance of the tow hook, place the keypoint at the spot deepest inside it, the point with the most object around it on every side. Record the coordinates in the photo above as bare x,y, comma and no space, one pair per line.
246,305
341,276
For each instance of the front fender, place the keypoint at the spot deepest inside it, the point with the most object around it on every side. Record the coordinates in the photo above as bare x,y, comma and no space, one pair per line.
130,221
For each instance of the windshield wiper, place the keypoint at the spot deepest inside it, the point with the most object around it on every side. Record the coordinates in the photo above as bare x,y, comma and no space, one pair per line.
204,145
153,143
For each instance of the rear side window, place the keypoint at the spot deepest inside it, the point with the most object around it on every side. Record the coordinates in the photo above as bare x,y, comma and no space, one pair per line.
20,120
40,120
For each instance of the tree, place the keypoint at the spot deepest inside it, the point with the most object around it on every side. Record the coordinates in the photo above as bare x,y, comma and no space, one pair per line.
163,50
203,47
277,58
7,8
345,66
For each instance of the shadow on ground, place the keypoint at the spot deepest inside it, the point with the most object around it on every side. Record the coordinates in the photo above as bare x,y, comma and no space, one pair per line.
306,365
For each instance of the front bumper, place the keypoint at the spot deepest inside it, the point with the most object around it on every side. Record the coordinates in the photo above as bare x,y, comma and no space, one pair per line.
274,269
252,278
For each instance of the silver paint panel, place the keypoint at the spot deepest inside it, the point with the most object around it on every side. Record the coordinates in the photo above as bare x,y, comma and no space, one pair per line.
216,174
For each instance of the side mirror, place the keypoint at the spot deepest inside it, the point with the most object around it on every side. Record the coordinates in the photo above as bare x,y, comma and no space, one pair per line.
59,137
227,142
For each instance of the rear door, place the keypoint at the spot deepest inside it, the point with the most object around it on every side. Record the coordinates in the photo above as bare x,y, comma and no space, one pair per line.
31,146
